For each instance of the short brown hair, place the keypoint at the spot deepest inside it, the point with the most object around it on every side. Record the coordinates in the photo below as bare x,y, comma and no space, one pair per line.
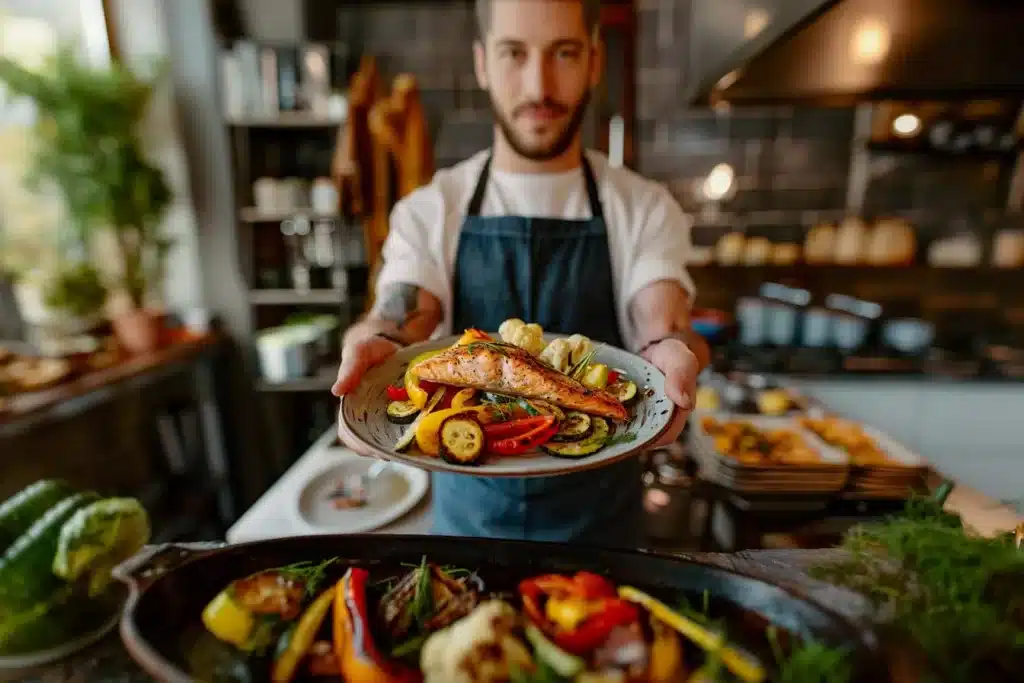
591,16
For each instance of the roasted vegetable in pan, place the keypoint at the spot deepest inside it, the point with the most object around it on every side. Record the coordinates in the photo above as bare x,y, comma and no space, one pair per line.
301,637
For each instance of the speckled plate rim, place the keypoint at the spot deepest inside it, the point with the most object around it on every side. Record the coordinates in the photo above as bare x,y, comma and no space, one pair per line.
66,649
654,412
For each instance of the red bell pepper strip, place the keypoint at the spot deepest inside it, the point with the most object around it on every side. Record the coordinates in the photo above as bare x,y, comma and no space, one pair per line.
613,377
396,393
522,443
505,430
608,610
358,658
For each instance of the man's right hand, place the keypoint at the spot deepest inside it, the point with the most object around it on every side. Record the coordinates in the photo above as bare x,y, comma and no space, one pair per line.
357,357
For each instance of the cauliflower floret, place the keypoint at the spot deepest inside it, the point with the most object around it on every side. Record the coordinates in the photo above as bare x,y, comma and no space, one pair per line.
557,354
579,347
527,337
479,648
509,328
528,341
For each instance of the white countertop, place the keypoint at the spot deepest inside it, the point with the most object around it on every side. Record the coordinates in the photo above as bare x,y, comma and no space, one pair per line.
269,516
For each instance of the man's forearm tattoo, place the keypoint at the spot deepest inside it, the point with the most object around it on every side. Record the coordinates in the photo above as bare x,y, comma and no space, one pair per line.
399,304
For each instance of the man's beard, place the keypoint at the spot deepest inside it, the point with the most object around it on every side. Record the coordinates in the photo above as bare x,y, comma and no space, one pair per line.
556,148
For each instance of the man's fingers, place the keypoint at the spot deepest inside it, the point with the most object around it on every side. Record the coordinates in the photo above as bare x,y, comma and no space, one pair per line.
357,359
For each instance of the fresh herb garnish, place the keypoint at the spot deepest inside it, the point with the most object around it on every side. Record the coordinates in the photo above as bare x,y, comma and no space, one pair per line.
409,647
497,347
423,599
623,437
577,370
310,573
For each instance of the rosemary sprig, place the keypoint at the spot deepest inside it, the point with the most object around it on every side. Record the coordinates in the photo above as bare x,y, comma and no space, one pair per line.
310,573
577,370
497,347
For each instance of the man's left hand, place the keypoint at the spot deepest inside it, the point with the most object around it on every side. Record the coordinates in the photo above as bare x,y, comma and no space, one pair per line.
680,367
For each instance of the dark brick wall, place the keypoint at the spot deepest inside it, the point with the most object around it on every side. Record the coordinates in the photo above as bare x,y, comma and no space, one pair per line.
792,164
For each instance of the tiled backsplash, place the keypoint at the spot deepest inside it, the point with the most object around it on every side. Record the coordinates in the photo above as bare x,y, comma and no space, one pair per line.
792,164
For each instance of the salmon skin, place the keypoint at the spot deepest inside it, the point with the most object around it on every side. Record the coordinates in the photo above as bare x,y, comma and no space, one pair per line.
510,371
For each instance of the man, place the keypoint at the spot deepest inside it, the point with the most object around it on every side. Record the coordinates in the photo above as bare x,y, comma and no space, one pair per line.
535,229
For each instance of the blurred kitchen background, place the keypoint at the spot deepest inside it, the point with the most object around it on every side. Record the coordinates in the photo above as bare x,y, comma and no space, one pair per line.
853,170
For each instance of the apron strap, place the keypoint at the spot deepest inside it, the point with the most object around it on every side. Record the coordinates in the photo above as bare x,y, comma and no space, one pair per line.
476,202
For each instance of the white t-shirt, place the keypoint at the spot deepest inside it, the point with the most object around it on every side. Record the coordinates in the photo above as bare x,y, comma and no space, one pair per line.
648,233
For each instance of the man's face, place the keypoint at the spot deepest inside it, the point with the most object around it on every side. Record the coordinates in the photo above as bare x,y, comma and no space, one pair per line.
538,64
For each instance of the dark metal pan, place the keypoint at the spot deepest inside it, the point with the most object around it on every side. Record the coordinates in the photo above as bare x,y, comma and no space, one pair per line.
171,585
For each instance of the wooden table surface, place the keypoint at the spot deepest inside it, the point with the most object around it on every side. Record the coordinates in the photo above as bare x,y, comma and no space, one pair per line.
109,661
71,397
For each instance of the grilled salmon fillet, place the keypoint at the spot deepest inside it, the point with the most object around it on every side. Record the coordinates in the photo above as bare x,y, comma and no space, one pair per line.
511,371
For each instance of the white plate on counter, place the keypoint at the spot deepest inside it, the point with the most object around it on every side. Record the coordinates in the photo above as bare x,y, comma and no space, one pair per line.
392,494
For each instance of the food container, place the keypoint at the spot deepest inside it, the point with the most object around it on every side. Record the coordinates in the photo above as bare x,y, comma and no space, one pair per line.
817,328
908,335
903,473
825,476
287,353
750,316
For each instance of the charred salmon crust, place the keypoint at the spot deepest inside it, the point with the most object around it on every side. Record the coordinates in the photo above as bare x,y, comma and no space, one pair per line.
511,371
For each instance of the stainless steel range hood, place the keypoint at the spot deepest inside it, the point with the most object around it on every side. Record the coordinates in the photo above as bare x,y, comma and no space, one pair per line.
841,52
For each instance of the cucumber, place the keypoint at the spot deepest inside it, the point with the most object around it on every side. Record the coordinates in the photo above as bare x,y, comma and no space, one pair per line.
580,449
26,577
19,511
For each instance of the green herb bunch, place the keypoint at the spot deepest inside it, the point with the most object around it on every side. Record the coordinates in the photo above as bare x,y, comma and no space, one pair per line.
957,600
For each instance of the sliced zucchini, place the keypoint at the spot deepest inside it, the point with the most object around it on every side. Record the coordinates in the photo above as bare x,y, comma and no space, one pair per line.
575,427
462,440
538,407
409,435
580,449
402,412
624,390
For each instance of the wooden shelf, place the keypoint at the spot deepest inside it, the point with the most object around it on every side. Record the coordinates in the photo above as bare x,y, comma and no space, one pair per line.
250,214
321,381
292,297
285,120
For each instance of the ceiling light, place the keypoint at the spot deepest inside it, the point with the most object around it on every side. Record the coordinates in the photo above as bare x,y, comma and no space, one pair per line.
719,182
906,125
754,22
870,42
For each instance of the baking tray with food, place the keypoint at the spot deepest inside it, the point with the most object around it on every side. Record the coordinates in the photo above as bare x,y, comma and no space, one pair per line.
879,465
765,454
448,610
515,403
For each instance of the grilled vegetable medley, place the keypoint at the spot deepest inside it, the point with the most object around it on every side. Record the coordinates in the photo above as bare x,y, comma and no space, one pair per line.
440,624
509,397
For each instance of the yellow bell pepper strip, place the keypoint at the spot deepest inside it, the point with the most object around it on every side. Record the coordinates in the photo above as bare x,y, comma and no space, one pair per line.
228,620
738,663
418,393
302,637
464,398
666,662
358,658
428,438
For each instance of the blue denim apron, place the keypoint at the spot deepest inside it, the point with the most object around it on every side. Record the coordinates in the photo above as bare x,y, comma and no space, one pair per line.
556,273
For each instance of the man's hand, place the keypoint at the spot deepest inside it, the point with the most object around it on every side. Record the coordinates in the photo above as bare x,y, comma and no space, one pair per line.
680,366
358,356
405,312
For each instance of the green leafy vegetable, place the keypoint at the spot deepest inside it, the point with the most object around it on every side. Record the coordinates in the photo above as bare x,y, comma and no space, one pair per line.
956,597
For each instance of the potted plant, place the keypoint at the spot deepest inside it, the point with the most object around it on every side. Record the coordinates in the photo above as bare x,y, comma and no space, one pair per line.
89,147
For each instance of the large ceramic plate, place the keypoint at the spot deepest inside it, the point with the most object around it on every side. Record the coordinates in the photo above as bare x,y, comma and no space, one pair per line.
365,426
